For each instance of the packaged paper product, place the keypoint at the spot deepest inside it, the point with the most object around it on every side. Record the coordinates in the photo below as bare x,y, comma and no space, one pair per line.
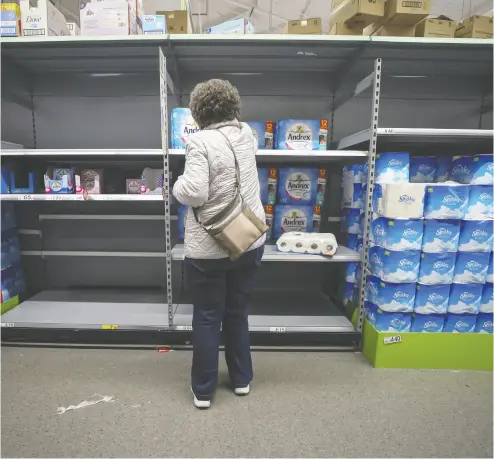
10,19
268,181
301,135
487,300
441,236
269,212
315,243
292,218
427,323
465,298
476,236
460,323
182,126
352,195
471,267
390,297
350,221
388,321
393,266
480,204
352,241
395,234
154,24
348,292
437,268
353,174
182,215
264,132
42,18
90,180
239,26
423,169
432,299
484,323
10,247
301,186
444,164
59,180
473,170
392,167
490,271
350,272
152,181
399,200
446,201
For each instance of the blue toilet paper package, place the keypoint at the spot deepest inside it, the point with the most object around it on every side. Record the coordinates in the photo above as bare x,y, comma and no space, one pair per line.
350,272
395,234
182,126
268,183
392,167
390,297
264,131
350,221
182,215
487,299
471,267
446,201
348,292
444,164
388,321
393,266
460,323
490,271
473,170
476,236
353,173
292,218
352,196
352,241
441,236
437,268
465,298
431,299
301,186
423,169
480,203
293,134
484,323
427,323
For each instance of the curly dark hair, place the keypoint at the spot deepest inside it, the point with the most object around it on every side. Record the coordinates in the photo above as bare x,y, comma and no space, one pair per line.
214,101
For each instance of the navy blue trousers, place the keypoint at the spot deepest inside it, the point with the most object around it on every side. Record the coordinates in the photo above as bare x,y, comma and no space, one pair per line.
220,292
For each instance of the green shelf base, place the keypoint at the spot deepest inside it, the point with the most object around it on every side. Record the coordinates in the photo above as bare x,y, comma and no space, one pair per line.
457,351
10,304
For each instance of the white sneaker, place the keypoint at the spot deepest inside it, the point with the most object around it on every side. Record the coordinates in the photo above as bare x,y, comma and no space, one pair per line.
242,390
201,404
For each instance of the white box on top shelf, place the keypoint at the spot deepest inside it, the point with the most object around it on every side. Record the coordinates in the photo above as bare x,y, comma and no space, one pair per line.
42,18
74,29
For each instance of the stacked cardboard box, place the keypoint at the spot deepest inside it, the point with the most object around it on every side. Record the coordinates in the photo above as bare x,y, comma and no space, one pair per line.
312,26
476,26
439,27
177,21
356,14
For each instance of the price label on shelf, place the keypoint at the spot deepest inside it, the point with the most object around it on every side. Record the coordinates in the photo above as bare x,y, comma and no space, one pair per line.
109,327
393,339
7,324
184,327
277,329
389,131
27,197
54,197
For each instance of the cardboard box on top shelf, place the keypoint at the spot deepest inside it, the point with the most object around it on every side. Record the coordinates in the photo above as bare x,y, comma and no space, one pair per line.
406,12
389,30
177,21
340,28
240,26
311,26
356,13
154,24
10,20
476,26
74,29
440,27
42,18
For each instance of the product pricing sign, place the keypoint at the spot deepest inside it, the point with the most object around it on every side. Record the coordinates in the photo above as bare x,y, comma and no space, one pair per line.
393,339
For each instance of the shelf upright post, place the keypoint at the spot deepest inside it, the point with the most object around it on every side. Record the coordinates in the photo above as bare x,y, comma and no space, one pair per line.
166,182
376,90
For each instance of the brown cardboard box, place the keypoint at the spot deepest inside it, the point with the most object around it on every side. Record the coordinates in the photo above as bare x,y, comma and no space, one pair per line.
357,13
177,21
406,12
341,28
388,30
475,27
440,27
372,28
310,26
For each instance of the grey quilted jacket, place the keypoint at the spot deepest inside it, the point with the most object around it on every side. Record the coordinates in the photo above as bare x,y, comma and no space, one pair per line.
209,181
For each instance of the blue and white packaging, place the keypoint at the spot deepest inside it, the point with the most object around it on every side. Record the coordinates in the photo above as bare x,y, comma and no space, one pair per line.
399,200
446,201
268,184
431,299
183,125
490,271
465,298
460,323
352,195
352,241
393,266
353,174
476,236
390,297
480,203
484,323
423,169
471,267
301,186
473,170
350,272
437,268
427,323
388,321
462,169
392,167
239,26
182,215
350,221
348,292
441,236
264,131
395,234
487,300
444,164
292,218
153,24
301,134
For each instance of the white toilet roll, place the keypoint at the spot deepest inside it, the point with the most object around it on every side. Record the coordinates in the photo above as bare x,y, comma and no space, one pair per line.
311,243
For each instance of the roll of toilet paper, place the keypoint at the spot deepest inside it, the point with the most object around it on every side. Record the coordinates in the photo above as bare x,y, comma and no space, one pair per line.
311,243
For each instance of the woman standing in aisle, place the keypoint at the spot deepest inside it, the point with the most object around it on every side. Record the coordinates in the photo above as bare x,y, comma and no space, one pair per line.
219,287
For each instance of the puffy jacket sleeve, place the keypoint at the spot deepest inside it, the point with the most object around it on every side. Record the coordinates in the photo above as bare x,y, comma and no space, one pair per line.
192,188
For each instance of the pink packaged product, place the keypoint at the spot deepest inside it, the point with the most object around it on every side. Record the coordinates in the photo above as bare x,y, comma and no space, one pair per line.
90,180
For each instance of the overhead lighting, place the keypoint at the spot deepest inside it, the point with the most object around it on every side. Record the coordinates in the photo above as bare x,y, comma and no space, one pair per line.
305,53
408,76
102,75
243,74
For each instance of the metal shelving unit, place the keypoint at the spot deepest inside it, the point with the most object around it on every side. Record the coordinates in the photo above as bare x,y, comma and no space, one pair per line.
59,239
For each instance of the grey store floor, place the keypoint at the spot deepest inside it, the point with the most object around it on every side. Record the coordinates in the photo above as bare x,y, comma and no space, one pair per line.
302,405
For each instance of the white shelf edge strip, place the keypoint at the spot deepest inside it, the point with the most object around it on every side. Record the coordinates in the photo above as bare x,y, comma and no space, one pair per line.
103,217
80,197
29,232
71,253
478,133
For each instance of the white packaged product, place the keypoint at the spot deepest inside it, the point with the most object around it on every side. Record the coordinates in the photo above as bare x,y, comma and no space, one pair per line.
42,18
312,243
399,200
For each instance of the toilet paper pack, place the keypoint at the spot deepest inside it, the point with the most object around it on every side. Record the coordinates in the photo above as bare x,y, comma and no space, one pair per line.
427,323
423,169
396,234
301,186
388,321
348,292
399,200
471,267
441,235
293,134
446,201
460,323
316,244
183,125
264,130
473,170
487,299
480,203
269,213
490,271
268,183
465,298
444,164
352,195
390,297
353,174
484,323
292,218
432,299
392,266
392,167
351,241
437,268
350,272
350,221
476,236
182,215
